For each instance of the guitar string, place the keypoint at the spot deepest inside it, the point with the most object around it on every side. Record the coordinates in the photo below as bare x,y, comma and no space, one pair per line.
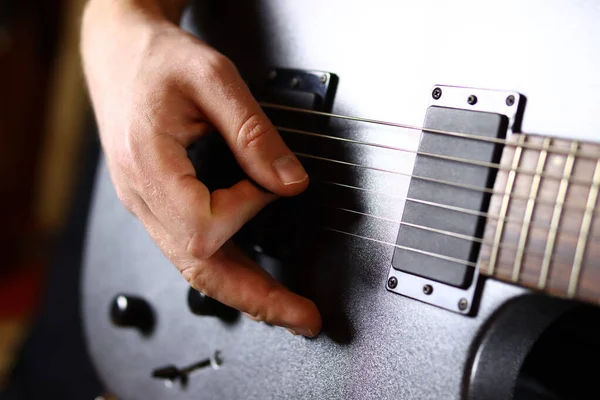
581,154
517,221
411,249
550,177
427,228
407,248
443,182
469,187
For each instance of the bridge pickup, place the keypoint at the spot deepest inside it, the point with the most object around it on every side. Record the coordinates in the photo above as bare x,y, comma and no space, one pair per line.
432,224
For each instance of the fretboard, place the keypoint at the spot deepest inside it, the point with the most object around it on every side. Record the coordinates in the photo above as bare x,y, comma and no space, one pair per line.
543,230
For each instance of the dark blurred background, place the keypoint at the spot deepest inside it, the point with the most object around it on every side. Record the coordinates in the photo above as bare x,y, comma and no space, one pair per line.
44,161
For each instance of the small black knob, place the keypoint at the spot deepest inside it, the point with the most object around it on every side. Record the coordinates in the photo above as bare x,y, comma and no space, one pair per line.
201,304
131,311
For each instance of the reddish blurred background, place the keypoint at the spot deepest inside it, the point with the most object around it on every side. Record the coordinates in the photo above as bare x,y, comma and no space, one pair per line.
43,107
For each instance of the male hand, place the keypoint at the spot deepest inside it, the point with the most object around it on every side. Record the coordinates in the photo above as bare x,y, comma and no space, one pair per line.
155,90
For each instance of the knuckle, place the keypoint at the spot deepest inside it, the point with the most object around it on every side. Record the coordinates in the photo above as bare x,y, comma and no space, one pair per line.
201,247
131,154
130,200
132,161
216,61
126,153
253,131
212,66
198,277
262,312
257,314
195,276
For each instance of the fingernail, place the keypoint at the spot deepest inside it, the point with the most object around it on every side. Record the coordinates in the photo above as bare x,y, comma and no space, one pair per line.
289,170
301,331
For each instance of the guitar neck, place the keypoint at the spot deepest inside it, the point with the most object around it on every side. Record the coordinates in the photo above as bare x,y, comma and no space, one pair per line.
543,229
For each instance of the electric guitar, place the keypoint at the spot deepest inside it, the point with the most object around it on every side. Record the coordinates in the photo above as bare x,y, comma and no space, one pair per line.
450,234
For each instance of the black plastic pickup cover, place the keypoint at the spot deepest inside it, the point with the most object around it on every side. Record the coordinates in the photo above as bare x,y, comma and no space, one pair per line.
442,219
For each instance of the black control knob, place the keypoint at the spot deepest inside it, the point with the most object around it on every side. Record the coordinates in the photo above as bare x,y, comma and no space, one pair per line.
201,304
131,311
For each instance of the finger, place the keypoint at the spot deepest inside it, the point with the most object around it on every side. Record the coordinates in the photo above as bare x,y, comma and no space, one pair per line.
184,205
233,279
226,101
230,209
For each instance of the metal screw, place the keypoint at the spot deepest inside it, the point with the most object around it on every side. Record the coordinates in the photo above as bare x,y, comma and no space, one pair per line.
472,99
462,304
437,93
323,78
295,83
272,74
510,100
427,289
392,282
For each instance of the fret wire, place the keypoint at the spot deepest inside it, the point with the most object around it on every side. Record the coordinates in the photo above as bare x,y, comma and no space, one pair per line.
422,227
579,154
585,229
427,253
504,207
467,161
535,184
439,205
434,180
558,207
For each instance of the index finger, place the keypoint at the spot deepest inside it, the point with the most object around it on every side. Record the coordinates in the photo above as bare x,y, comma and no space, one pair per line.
230,277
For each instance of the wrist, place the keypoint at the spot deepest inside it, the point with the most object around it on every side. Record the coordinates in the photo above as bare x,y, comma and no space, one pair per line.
114,24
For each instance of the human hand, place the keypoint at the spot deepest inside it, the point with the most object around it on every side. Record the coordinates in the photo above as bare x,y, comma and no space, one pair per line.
155,90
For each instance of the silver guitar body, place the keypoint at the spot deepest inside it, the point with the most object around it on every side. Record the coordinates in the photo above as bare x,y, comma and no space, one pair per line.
383,345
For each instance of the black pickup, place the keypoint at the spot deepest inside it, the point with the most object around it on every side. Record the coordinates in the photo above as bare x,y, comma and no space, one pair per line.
441,230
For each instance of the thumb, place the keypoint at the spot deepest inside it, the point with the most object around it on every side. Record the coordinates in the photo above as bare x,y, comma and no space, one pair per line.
227,103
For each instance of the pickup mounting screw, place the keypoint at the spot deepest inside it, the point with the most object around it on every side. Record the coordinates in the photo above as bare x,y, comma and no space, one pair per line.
462,304
323,78
510,100
437,93
295,83
472,99
427,289
392,282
